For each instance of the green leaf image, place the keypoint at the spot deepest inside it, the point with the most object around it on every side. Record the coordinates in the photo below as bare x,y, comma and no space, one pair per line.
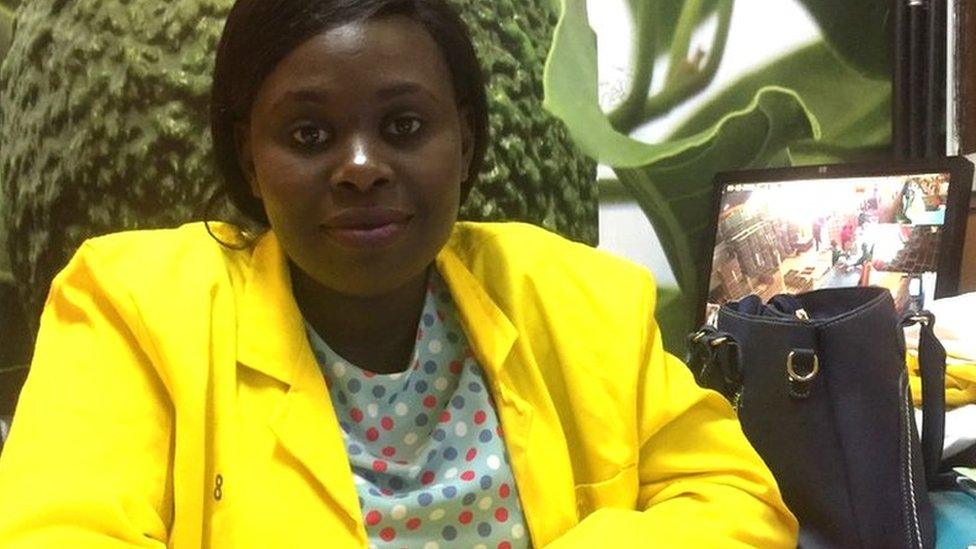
821,103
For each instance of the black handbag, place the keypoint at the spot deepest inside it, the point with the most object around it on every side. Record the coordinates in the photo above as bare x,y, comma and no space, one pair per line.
821,390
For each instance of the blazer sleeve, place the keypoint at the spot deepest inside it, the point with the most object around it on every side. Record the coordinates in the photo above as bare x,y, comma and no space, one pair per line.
88,460
701,484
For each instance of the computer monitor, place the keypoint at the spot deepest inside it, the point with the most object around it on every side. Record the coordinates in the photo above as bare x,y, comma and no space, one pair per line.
791,230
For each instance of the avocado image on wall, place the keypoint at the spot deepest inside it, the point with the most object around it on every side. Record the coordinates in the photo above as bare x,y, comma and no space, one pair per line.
104,126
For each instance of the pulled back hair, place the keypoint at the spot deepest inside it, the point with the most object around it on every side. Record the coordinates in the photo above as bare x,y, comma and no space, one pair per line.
258,34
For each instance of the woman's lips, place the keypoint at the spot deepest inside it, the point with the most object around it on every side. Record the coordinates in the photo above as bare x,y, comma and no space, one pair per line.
366,227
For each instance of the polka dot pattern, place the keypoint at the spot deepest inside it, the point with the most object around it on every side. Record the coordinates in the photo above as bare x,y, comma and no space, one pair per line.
425,444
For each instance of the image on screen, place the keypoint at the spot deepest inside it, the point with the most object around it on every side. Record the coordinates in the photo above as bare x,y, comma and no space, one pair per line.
797,236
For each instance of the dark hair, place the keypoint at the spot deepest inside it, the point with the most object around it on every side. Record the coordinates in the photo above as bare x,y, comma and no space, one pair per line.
260,33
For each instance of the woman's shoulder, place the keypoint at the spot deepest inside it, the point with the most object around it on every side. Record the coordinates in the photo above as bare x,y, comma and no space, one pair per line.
527,249
502,253
161,258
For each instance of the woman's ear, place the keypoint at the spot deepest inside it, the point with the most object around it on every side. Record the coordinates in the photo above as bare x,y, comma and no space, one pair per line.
467,141
245,156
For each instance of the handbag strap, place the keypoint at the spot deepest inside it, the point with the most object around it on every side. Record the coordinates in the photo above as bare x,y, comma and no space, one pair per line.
714,359
932,363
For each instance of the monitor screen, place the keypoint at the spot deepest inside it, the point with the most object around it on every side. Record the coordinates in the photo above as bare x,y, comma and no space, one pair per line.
799,235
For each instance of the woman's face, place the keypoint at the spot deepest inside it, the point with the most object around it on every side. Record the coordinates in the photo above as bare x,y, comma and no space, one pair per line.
357,148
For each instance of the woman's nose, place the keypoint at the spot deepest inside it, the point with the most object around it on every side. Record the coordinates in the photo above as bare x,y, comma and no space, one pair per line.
361,168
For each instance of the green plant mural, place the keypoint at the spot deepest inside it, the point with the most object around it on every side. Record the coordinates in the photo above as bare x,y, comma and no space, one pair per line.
104,125
827,102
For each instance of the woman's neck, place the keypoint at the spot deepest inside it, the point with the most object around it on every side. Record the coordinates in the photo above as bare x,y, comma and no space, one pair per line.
375,333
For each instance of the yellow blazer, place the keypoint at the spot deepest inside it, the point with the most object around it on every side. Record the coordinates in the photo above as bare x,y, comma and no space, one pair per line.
174,401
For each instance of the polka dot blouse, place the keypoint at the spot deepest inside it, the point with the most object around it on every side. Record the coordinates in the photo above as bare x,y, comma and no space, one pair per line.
425,445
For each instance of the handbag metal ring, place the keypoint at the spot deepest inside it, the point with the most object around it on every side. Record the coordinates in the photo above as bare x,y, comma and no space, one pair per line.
718,341
919,319
791,371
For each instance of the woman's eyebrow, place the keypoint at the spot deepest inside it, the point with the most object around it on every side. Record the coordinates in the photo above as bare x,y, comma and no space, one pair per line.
320,96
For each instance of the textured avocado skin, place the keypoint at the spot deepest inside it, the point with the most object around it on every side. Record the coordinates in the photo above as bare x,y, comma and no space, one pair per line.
104,126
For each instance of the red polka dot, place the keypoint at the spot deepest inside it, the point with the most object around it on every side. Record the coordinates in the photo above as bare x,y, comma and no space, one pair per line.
430,401
369,374
387,423
356,414
498,430
455,367
501,514
386,491
373,518
479,417
504,490
471,454
388,534
427,477
465,517
379,466
372,434
504,545
467,475
413,524
389,451
445,416
440,315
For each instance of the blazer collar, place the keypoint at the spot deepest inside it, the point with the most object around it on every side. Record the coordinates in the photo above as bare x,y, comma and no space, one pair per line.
268,307
271,332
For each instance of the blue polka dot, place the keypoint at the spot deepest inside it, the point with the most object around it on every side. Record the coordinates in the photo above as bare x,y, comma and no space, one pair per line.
438,434
450,453
428,320
374,492
469,499
379,391
421,387
430,366
449,491
485,482
431,455
449,533
320,357
354,385
425,499
474,387
421,420
396,483
485,435
457,402
355,450
341,397
344,426
484,529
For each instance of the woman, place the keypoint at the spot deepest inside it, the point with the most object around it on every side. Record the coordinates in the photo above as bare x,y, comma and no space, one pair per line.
368,371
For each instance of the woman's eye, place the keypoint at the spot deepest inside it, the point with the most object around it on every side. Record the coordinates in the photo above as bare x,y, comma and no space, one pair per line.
404,126
310,136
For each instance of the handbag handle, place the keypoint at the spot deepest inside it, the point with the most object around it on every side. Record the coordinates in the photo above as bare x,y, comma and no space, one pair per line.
932,363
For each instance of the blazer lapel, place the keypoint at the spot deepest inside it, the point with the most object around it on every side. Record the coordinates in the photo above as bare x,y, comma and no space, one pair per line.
530,425
272,340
